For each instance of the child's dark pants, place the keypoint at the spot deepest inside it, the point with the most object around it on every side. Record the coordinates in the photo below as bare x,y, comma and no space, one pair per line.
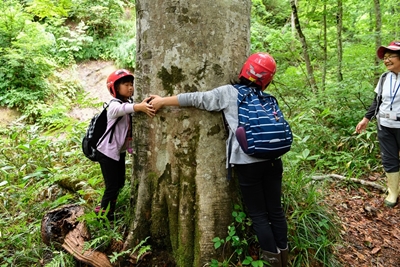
261,185
114,179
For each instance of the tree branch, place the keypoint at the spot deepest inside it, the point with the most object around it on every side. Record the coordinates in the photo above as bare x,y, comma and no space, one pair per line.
339,177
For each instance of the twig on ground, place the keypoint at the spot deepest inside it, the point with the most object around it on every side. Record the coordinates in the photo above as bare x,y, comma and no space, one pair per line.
343,178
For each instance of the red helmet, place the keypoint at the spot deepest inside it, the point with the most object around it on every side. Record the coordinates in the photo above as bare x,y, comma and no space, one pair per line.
115,76
259,68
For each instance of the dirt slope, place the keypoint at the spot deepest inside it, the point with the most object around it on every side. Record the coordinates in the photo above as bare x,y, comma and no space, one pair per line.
93,76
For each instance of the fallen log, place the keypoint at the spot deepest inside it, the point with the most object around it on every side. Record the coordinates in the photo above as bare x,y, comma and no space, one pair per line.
61,228
355,180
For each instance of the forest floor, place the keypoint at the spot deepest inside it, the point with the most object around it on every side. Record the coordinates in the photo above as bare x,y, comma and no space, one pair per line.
370,231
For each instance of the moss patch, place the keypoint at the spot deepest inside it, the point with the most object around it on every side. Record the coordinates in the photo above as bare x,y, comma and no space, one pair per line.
218,70
214,130
190,89
169,79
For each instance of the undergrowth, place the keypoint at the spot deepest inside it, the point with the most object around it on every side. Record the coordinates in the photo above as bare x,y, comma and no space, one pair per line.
41,170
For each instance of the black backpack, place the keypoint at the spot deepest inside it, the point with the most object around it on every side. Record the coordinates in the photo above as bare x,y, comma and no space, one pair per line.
96,133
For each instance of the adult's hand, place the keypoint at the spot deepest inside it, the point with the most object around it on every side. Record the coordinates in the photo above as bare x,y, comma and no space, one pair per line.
362,125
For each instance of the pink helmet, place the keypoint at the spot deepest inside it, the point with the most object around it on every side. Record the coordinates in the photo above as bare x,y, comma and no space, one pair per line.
115,76
259,68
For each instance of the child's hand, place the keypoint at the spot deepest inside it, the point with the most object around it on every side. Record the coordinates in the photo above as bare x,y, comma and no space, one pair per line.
156,102
145,107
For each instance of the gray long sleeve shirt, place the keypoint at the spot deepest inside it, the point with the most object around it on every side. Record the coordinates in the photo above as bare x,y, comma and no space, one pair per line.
223,98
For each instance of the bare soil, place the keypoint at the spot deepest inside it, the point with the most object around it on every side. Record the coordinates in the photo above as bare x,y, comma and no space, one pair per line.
92,75
8,116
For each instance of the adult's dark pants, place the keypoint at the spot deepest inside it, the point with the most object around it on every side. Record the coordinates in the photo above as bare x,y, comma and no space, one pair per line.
114,178
389,144
261,185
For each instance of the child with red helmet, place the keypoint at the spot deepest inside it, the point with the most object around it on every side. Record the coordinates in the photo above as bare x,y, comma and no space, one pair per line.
111,152
260,179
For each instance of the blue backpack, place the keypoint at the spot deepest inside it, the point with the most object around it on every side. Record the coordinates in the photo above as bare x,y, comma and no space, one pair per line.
262,131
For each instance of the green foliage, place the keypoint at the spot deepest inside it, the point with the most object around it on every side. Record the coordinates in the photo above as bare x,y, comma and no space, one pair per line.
140,250
324,130
239,237
99,15
24,64
28,170
61,259
32,165
101,228
43,9
71,45
314,230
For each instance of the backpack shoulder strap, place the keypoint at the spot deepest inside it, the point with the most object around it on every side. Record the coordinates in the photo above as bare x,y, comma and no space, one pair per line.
243,92
382,81
111,129
379,97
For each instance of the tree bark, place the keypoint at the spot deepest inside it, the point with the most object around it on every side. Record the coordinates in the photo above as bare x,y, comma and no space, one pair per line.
339,26
325,48
310,71
180,196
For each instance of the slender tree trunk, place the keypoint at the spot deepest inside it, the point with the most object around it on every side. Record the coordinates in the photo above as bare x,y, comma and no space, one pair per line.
378,40
310,71
339,27
325,49
180,196
395,11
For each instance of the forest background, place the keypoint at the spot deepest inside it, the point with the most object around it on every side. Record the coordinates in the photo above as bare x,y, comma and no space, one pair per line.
327,69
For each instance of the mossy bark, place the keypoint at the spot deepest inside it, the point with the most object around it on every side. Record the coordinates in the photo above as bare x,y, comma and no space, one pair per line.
182,198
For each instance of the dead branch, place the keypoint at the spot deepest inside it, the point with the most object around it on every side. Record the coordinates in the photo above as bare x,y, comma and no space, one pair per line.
74,243
61,228
74,185
355,180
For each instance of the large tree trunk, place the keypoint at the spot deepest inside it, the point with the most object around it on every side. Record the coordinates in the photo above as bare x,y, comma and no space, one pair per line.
181,197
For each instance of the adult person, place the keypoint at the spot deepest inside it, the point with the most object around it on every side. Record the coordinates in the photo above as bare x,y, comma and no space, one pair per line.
386,108
111,152
260,179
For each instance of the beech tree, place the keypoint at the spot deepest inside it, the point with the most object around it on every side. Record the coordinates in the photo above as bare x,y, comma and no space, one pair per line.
181,197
